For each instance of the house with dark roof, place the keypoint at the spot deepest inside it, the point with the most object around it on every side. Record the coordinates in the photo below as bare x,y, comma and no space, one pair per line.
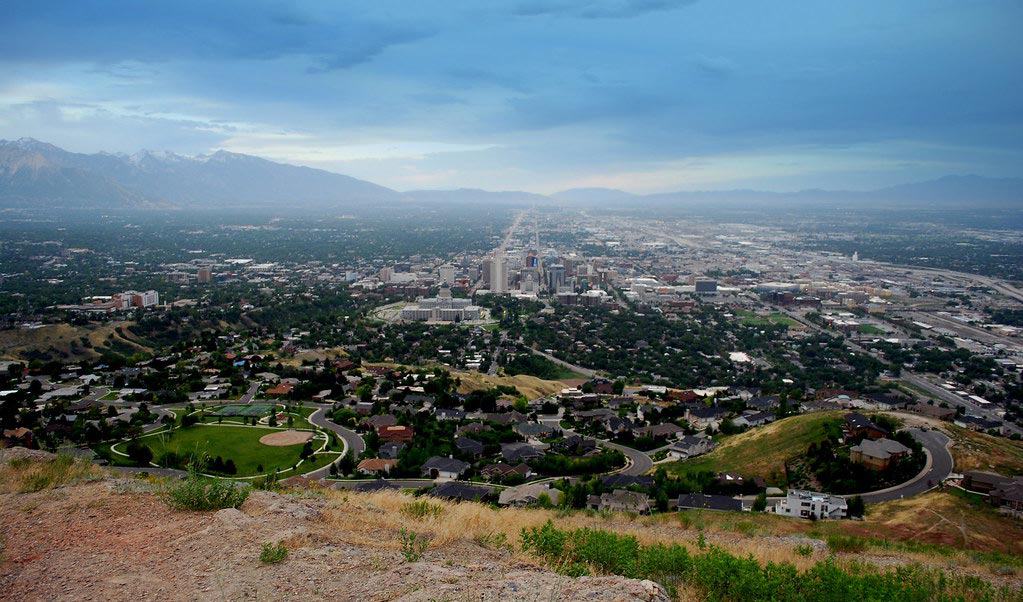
390,450
623,481
534,430
449,414
460,492
666,430
1008,495
377,485
709,502
700,417
983,481
439,467
469,447
503,471
858,425
519,452
380,420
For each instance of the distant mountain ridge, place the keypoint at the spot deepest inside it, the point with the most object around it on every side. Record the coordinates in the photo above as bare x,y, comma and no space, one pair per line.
38,174
34,173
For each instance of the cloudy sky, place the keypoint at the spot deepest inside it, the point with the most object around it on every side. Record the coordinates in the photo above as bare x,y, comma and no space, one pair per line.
539,95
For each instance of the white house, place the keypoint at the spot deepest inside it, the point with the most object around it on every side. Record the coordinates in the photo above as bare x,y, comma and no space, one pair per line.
811,504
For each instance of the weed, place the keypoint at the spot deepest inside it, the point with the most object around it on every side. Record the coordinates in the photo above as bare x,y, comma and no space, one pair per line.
196,492
804,550
421,509
492,540
273,553
413,545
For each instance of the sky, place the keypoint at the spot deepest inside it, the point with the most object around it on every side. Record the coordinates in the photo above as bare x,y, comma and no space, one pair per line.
641,95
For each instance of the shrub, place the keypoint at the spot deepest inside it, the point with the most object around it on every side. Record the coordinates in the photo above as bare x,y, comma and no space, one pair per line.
421,509
720,575
196,492
139,454
413,545
273,553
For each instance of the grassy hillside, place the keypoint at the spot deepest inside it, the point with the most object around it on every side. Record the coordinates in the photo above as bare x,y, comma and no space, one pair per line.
762,451
939,546
67,342
979,451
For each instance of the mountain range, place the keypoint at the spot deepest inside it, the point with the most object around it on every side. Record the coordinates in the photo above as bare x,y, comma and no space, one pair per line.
41,175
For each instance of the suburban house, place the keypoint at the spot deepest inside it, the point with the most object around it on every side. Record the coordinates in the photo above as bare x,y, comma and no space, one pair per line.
502,471
982,481
926,409
878,454
20,436
534,431
621,481
395,433
811,504
470,447
1009,495
620,500
529,494
380,420
376,465
753,419
459,492
666,430
858,425
439,467
709,502
519,452
390,450
701,417
690,446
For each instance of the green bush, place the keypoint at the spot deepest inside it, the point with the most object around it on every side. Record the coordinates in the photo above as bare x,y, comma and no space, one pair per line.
721,575
421,509
273,553
196,492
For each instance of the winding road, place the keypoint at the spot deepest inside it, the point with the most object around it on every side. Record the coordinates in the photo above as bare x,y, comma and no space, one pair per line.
937,469
354,443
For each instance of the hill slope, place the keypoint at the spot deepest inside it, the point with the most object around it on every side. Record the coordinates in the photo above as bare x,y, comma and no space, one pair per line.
70,532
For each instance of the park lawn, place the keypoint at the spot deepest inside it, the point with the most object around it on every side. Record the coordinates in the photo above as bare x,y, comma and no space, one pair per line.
311,463
753,319
979,451
761,451
240,444
870,329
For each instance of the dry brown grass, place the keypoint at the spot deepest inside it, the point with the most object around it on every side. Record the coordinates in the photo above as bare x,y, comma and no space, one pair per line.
25,475
979,451
530,386
363,518
316,355
63,341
